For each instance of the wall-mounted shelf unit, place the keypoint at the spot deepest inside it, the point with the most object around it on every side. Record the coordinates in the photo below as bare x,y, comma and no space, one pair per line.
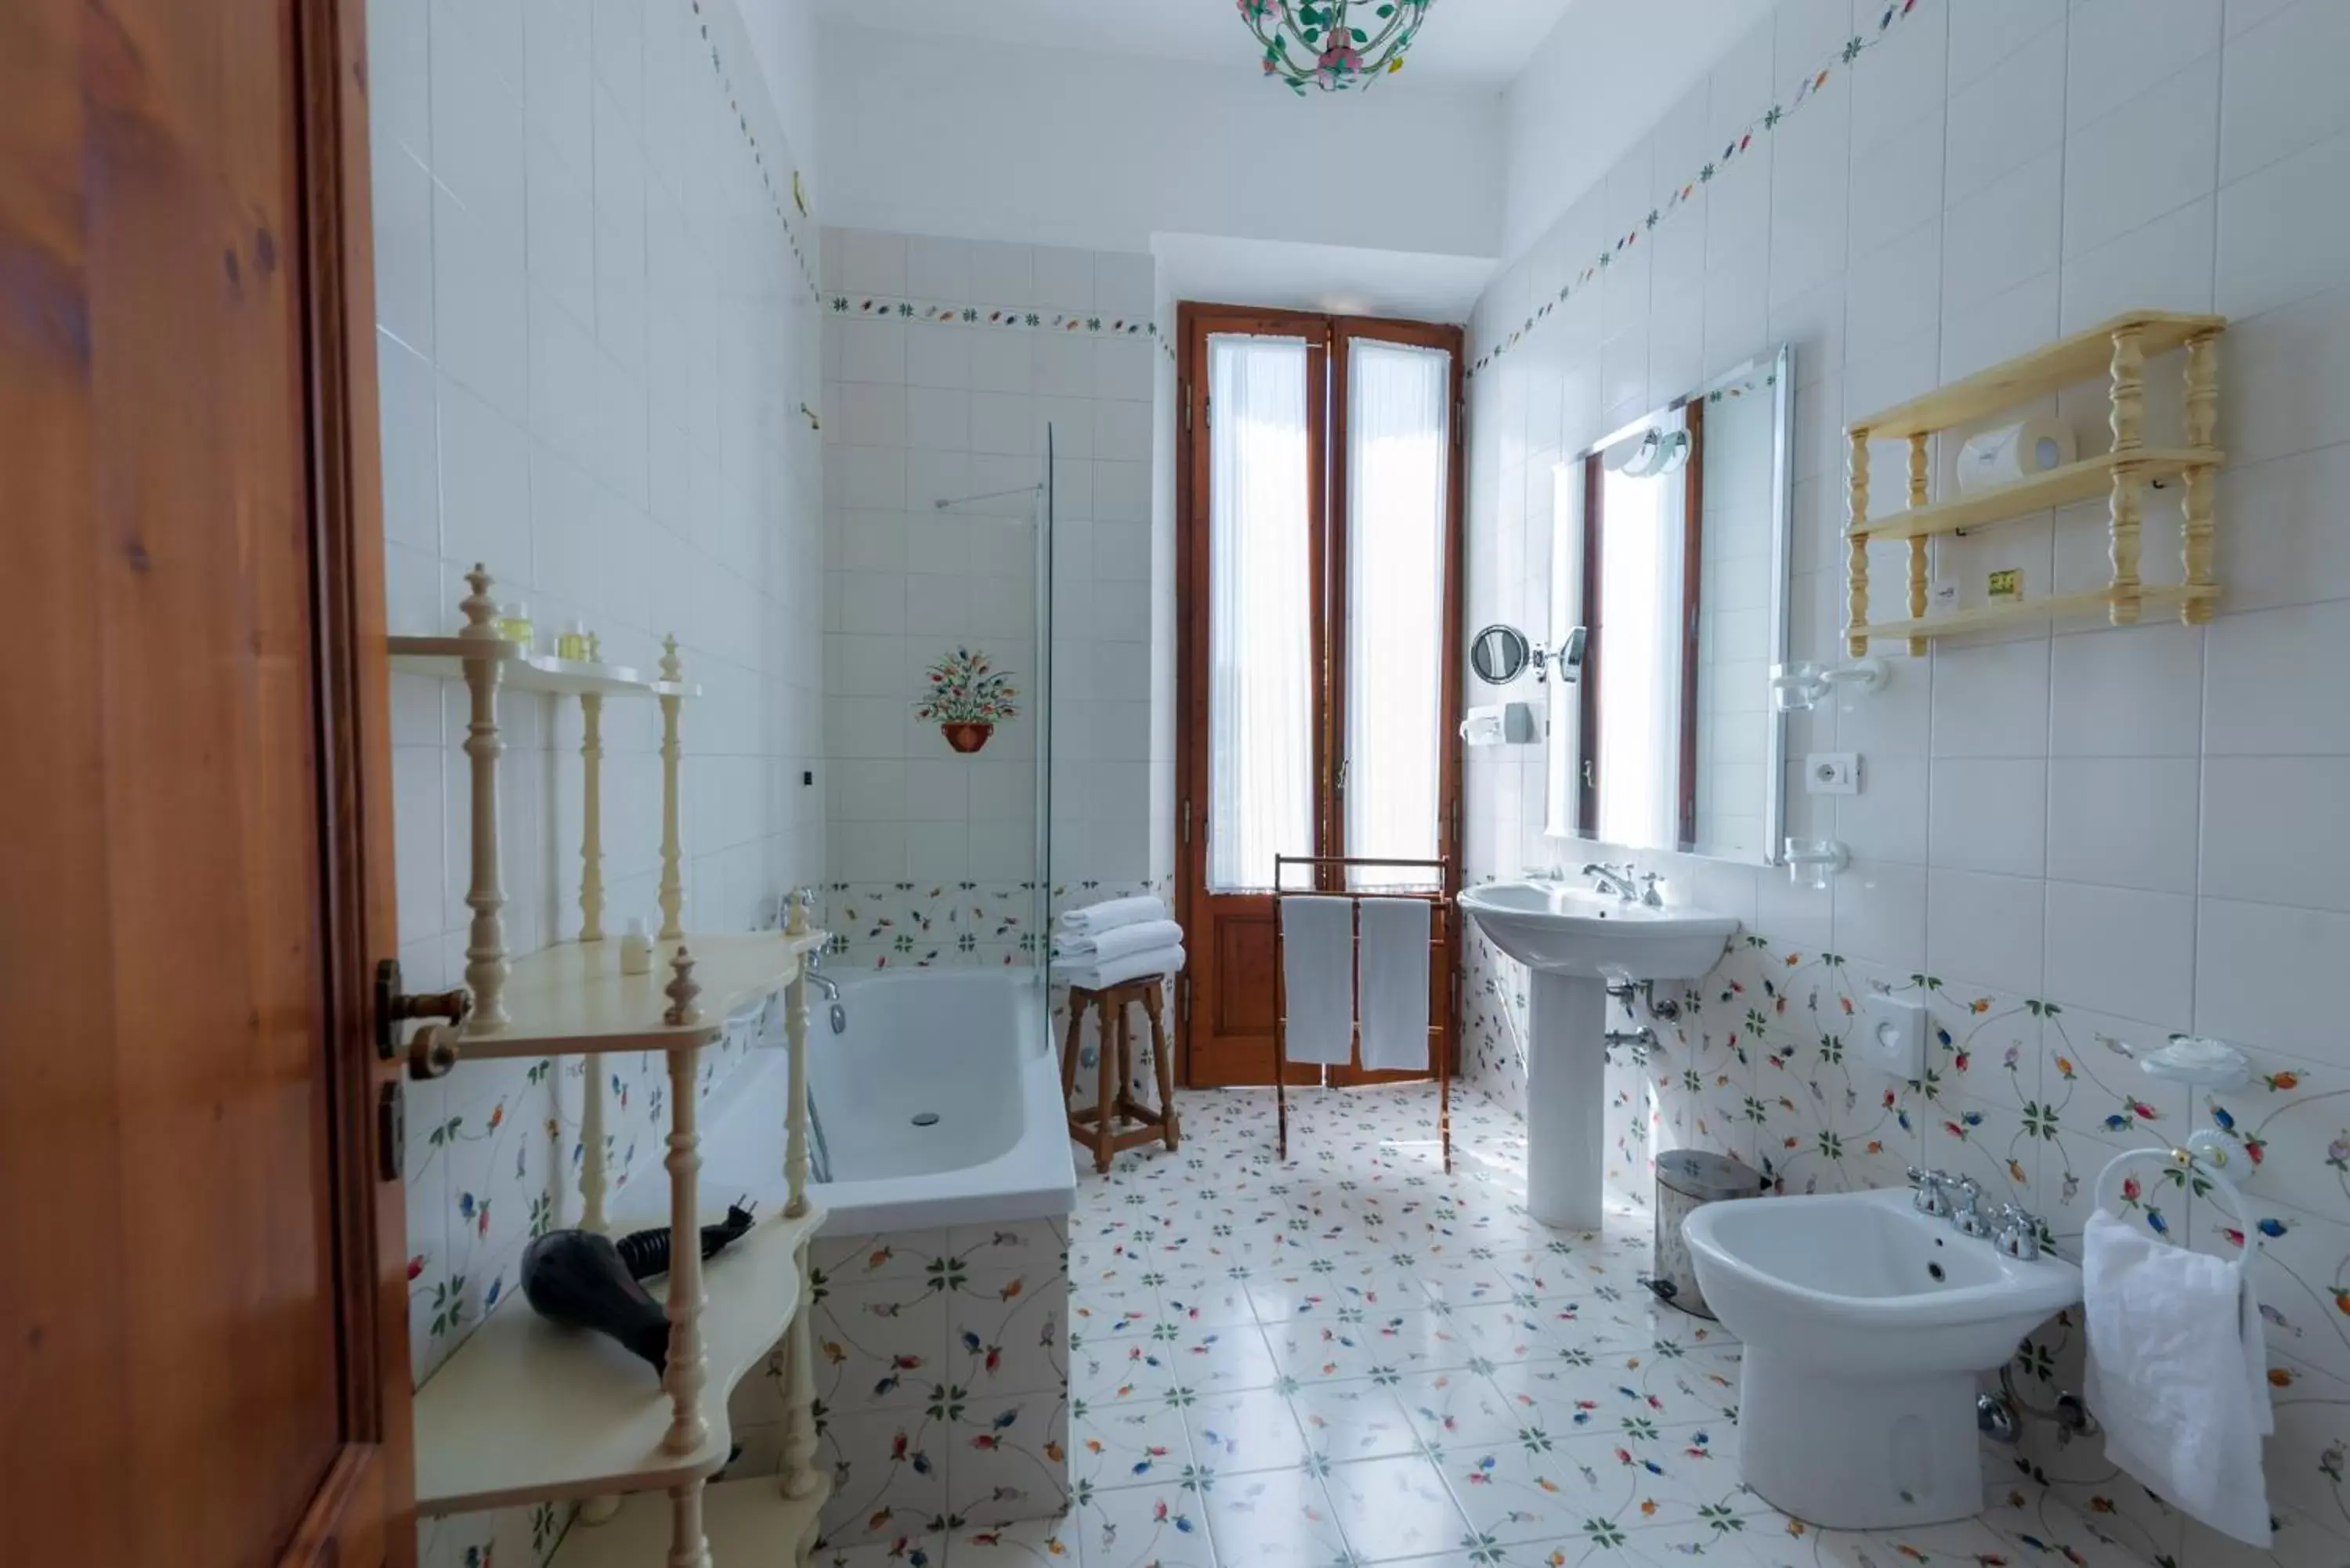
2118,347
524,1410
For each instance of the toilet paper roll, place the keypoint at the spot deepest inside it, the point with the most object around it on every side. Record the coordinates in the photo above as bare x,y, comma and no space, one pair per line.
2012,452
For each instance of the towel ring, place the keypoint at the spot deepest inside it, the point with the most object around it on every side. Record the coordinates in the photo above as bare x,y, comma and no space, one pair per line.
2206,1151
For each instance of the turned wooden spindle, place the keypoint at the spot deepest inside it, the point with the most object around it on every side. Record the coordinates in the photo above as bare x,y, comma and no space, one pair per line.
795,1139
591,824
485,937
2129,394
681,991
2202,420
1917,544
672,884
686,1373
688,1548
1856,546
798,1477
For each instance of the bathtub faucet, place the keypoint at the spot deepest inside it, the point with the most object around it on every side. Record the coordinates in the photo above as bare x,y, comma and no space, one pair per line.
811,971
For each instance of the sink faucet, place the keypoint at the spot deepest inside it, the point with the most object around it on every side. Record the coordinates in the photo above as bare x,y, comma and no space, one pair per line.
1620,883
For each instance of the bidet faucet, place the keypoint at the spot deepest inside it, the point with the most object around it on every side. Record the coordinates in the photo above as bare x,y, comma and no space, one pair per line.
1930,1192
2018,1233
1967,1216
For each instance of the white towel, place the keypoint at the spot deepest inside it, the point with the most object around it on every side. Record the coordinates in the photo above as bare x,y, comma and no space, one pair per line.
1118,971
2178,1374
1096,919
1117,941
1391,969
1318,978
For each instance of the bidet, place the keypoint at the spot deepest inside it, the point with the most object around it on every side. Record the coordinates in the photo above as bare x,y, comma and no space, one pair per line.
1866,1323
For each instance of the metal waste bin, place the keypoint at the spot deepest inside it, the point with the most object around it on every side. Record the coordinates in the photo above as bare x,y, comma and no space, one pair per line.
1687,1177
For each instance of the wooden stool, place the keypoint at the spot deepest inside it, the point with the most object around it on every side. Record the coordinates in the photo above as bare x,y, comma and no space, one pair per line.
1096,1125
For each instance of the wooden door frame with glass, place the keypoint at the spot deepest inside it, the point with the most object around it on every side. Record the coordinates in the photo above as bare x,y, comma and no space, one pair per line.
1225,1012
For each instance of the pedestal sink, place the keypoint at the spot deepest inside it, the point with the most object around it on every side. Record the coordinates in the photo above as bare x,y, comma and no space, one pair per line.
1577,942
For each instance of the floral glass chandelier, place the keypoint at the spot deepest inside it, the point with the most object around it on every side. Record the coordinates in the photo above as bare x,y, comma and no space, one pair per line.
1333,44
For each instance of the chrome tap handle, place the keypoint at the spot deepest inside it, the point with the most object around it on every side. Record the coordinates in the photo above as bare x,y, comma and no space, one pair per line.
2018,1234
1648,894
1967,1211
1930,1192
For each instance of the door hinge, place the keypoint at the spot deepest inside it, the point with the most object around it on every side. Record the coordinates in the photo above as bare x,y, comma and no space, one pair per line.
1186,998
1207,413
1456,826
1187,405
1187,821
1586,772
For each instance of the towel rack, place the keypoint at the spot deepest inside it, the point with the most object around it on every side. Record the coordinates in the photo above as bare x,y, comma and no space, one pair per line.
2207,1152
1441,936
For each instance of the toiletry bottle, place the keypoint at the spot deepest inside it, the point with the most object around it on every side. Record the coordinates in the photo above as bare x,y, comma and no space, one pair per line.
594,649
636,949
514,623
573,642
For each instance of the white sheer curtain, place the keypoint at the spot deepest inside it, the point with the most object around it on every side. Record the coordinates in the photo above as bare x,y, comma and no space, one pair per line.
1396,472
1260,611
1640,539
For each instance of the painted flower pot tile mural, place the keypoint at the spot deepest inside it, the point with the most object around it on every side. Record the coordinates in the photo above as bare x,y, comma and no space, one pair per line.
967,697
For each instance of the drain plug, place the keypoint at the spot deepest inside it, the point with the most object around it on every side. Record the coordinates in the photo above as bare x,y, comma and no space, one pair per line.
925,1118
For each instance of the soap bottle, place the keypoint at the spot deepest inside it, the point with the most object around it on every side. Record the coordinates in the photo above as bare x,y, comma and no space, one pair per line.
572,644
636,949
514,623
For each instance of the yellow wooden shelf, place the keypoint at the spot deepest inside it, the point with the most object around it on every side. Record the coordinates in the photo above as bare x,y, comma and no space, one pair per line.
572,998
2092,476
745,1523
2027,612
2083,355
527,1409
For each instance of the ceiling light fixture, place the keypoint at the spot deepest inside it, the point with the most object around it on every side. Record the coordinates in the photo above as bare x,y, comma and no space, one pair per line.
1325,43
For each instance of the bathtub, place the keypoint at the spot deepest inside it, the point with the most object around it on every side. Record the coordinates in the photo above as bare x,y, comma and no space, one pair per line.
941,1105
941,1294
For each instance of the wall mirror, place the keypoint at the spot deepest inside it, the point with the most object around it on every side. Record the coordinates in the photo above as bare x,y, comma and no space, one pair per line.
1500,655
1669,561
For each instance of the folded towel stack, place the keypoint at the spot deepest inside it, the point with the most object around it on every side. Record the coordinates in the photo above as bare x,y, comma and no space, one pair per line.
1110,943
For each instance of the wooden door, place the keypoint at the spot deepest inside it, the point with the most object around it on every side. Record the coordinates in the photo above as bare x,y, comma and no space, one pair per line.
1226,1013
203,1336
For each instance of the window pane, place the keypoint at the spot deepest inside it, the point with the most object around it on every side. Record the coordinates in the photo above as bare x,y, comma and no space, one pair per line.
1397,435
1260,611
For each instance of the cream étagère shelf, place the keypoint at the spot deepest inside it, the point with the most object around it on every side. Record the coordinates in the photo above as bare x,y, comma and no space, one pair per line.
526,1410
2119,347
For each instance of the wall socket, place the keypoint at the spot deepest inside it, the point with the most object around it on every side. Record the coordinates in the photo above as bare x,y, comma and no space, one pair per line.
1832,773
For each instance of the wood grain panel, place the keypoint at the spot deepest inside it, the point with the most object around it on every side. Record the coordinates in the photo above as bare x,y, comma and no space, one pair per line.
172,1374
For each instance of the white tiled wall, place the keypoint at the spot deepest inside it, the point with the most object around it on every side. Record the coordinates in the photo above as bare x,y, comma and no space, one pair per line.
920,409
594,339
2088,835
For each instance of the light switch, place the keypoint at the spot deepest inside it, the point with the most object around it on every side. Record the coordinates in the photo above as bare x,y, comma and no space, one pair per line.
1832,773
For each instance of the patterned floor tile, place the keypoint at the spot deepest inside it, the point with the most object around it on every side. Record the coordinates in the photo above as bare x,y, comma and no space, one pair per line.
1461,1386
1165,1525
1247,1430
1133,1442
1394,1508
1353,1419
1276,1519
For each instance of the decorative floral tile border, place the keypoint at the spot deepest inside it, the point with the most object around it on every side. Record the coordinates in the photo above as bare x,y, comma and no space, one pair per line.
782,200
996,318
1686,191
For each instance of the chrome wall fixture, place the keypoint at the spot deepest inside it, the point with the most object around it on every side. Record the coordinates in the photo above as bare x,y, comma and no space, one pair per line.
1801,685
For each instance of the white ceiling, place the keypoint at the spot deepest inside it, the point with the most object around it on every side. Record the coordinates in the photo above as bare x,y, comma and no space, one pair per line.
1466,42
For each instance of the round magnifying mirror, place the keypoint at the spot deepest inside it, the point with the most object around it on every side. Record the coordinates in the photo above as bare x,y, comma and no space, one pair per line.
1499,655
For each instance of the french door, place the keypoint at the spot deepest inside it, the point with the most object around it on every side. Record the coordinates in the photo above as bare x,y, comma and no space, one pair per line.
1318,572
